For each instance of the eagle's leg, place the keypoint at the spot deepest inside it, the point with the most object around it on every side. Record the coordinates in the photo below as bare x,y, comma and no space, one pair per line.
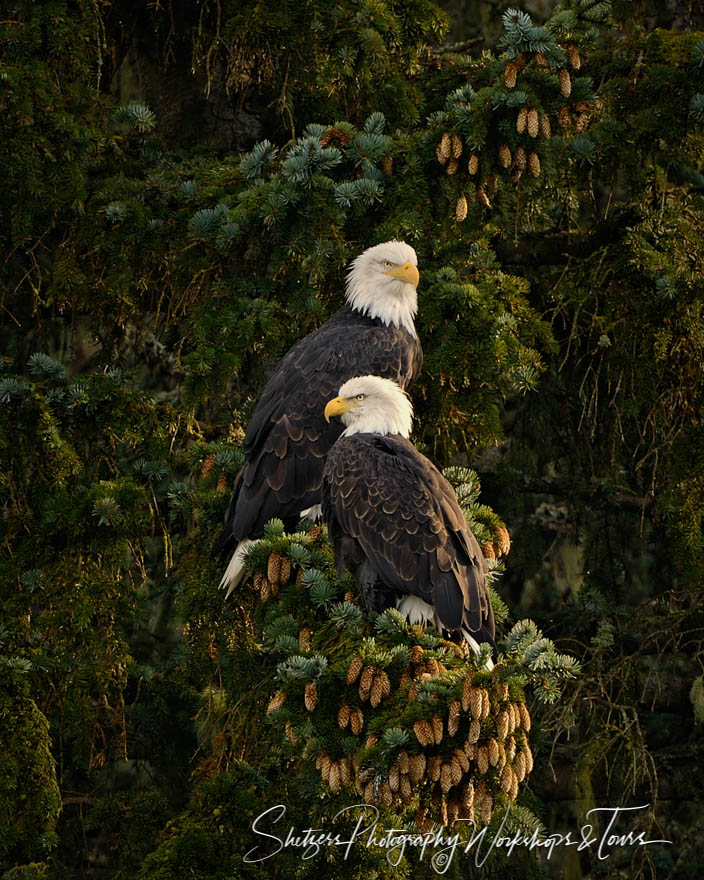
374,594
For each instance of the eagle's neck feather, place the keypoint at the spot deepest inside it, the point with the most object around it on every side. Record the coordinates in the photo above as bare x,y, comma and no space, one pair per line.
392,302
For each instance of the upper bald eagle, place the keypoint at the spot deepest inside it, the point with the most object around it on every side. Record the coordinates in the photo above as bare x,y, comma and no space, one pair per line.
394,521
287,440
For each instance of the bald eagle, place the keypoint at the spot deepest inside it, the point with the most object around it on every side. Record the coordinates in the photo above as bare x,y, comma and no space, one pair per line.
394,521
287,439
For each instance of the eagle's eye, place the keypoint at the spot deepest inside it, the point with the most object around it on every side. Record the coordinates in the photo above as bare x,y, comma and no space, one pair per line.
360,396
387,264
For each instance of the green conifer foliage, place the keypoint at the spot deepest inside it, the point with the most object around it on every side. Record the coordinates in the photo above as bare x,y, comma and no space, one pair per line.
552,187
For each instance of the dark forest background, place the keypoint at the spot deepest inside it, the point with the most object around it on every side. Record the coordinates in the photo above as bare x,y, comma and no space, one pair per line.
184,185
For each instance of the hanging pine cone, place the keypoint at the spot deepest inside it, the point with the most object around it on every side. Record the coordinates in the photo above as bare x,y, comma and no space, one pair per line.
291,736
371,741
468,796
506,780
222,484
304,639
456,769
424,732
505,156
533,123
437,729
515,711
534,164
510,74
453,718
343,716
502,757
522,120
502,725
446,145
488,546
483,198
456,146
502,544
463,759
581,122
541,61
345,771
519,159
416,768
394,777
276,702
208,465
513,794
385,685
565,82
273,569
510,749
473,164
406,789
486,703
461,209
563,117
474,699
369,793
483,760
452,166
545,126
356,721
573,55
310,697
493,748
529,758
387,165
334,136
443,816
525,716
519,766
366,680
467,691
325,762
376,690
285,572
354,669
445,778
439,154
470,750
417,654
432,666
385,795
264,590
486,807
334,777
434,768
403,763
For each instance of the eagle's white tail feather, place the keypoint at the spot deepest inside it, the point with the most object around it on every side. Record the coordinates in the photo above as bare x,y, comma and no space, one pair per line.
417,611
235,569
313,513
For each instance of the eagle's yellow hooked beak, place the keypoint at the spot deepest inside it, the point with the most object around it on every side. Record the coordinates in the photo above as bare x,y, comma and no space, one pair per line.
336,407
408,273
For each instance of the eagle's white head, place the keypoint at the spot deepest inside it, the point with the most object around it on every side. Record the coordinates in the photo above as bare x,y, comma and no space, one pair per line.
372,405
382,283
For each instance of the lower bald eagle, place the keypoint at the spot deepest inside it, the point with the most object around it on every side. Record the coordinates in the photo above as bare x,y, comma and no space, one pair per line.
287,439
394,521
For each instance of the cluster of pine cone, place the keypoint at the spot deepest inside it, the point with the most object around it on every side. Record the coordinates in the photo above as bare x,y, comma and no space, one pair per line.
462,757
528,121
278,573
